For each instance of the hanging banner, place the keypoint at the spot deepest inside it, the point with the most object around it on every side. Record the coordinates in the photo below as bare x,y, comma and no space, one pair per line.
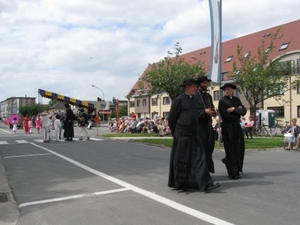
216,41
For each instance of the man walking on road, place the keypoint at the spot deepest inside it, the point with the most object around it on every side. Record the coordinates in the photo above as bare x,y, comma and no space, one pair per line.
231,109
188,168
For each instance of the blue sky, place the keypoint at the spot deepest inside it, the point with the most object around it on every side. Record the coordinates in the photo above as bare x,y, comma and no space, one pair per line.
66,46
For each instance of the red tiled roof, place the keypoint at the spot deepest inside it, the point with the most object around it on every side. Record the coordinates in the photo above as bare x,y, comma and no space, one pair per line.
250,42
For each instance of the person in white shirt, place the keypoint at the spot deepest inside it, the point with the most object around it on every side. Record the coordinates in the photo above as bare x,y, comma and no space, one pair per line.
57,126
14,125
45,123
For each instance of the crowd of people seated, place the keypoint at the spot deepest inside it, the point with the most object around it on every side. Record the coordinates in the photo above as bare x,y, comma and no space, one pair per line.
133,125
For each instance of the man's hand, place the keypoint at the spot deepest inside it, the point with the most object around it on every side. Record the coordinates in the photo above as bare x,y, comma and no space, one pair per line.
231,109
210,112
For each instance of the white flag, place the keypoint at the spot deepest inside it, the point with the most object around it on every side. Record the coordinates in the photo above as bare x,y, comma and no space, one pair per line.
216,41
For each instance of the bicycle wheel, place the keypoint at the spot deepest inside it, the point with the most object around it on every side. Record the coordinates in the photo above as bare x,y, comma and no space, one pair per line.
273,131
265,132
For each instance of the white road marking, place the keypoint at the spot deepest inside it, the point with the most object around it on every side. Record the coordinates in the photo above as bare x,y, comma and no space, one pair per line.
3,142
21,141
163,200
72,197
19,156
9,132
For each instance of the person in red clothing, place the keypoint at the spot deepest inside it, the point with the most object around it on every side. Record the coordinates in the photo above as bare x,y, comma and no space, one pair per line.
133,115
26,120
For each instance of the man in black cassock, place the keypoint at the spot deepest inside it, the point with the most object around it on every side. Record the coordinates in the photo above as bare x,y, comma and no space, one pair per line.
231,109
188,168
205,113
68,124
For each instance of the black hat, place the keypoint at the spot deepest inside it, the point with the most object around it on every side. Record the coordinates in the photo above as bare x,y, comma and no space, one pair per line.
81,110
67,106
228,85
201,79
188,82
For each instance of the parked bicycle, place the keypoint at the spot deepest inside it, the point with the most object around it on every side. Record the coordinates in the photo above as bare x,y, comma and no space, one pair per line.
277,129
262,130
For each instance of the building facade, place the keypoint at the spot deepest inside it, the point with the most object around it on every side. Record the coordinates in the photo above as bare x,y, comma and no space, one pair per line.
12,104
287,48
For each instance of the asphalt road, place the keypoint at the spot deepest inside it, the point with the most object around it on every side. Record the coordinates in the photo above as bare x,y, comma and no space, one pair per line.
112,182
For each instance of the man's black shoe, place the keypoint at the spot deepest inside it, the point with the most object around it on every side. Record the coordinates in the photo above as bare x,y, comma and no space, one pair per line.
212,186
234,177
224,160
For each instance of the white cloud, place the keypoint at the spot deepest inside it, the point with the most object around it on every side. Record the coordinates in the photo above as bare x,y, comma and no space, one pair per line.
66,46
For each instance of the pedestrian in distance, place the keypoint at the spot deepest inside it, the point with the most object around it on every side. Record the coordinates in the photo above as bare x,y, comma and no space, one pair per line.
68,124
188,168
45,124
231,109
83,123
57,127
14,126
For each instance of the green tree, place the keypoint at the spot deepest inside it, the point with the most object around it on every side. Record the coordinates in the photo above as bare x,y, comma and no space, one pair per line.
123,111
169,73
52,102
31,110
258,76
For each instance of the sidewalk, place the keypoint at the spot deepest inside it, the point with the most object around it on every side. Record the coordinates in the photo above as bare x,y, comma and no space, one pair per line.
8,207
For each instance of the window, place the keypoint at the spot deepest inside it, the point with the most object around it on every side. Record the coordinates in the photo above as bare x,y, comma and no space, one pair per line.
268,49
284,68
138,103
166,101
132,104
166,114
298,88
279,111
144,102
246,54
276,90
154,101
298,111
284,46
224,76
216,95
298,66
229,58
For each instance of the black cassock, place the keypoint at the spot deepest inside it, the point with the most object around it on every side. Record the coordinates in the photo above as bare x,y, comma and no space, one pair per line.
188,169
232,134
68,124
206,130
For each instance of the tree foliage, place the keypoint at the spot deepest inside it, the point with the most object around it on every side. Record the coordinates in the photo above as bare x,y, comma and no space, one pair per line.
123,111
31,110
169,73
258,76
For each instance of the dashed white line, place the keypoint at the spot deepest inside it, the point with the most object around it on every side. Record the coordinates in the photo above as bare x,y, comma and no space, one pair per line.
158,198
21,141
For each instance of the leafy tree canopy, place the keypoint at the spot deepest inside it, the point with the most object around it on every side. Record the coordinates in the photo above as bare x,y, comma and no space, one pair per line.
31,110
169,73
259,77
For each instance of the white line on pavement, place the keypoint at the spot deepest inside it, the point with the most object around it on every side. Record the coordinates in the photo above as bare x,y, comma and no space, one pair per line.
158,198
72,197
19,156
9,132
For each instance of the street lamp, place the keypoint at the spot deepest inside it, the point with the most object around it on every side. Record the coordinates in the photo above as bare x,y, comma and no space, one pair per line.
103,97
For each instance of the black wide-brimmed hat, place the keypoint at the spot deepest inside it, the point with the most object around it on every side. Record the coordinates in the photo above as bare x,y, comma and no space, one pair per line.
67,106
228,85
188,82
202,78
